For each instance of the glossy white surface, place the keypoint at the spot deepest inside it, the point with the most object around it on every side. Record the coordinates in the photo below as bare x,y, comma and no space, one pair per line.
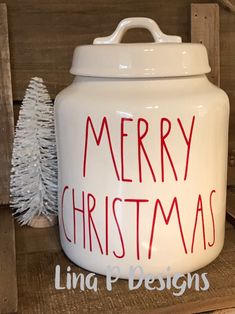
137,22
161,102
165,57
142,151
140,60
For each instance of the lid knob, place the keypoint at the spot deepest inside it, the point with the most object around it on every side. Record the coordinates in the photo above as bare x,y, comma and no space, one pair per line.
137,22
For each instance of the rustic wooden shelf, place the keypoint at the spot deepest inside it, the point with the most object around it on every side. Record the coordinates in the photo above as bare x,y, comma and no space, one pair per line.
8,284
38,252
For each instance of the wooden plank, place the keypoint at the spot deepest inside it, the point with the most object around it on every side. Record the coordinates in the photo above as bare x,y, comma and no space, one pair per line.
31,240
199,306
205,30
8,283
228,4
228,225
231,184
225,311
231,176
35,296
6,109
231,205
231,164
44,33
227,61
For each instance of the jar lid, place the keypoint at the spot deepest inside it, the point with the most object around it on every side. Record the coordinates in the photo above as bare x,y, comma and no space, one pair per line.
167,56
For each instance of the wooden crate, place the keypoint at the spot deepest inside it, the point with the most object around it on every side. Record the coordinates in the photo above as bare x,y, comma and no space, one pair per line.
8,285
42,38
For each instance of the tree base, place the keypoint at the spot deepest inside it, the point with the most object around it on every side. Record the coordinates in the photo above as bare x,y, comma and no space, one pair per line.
42,221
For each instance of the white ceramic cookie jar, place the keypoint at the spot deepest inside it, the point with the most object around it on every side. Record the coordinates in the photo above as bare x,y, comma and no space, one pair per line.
142,150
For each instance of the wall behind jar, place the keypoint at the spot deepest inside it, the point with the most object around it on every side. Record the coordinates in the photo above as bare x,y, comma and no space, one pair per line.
43,35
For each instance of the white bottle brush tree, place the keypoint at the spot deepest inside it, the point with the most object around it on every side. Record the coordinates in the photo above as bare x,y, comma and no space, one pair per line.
33,184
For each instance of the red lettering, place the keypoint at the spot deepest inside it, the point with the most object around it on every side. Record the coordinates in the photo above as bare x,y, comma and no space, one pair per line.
199,209
141,148
106,225
98,138
188,143
91,221
62,212
119,229
137,201
163,137
123,134
167,220
75,209
212,217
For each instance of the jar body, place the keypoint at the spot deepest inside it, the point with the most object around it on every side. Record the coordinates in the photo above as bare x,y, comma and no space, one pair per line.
142,173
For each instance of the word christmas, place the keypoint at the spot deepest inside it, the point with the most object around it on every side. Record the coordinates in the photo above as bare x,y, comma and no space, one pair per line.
95,214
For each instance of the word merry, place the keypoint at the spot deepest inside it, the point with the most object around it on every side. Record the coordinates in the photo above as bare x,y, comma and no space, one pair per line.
179,282
141,129
108,209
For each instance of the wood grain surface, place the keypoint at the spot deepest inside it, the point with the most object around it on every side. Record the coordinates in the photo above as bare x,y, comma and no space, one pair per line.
8,283
205,29
231,164
6,108
37,294
43,34
231,204
227,73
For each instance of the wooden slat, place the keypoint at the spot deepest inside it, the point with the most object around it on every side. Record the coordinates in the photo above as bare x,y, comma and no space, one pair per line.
44,33
39,295
37,240
231,176
231,184
225,311
205,30
231,164
6,109
231,205
227,58
8,284
228,225
228,4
